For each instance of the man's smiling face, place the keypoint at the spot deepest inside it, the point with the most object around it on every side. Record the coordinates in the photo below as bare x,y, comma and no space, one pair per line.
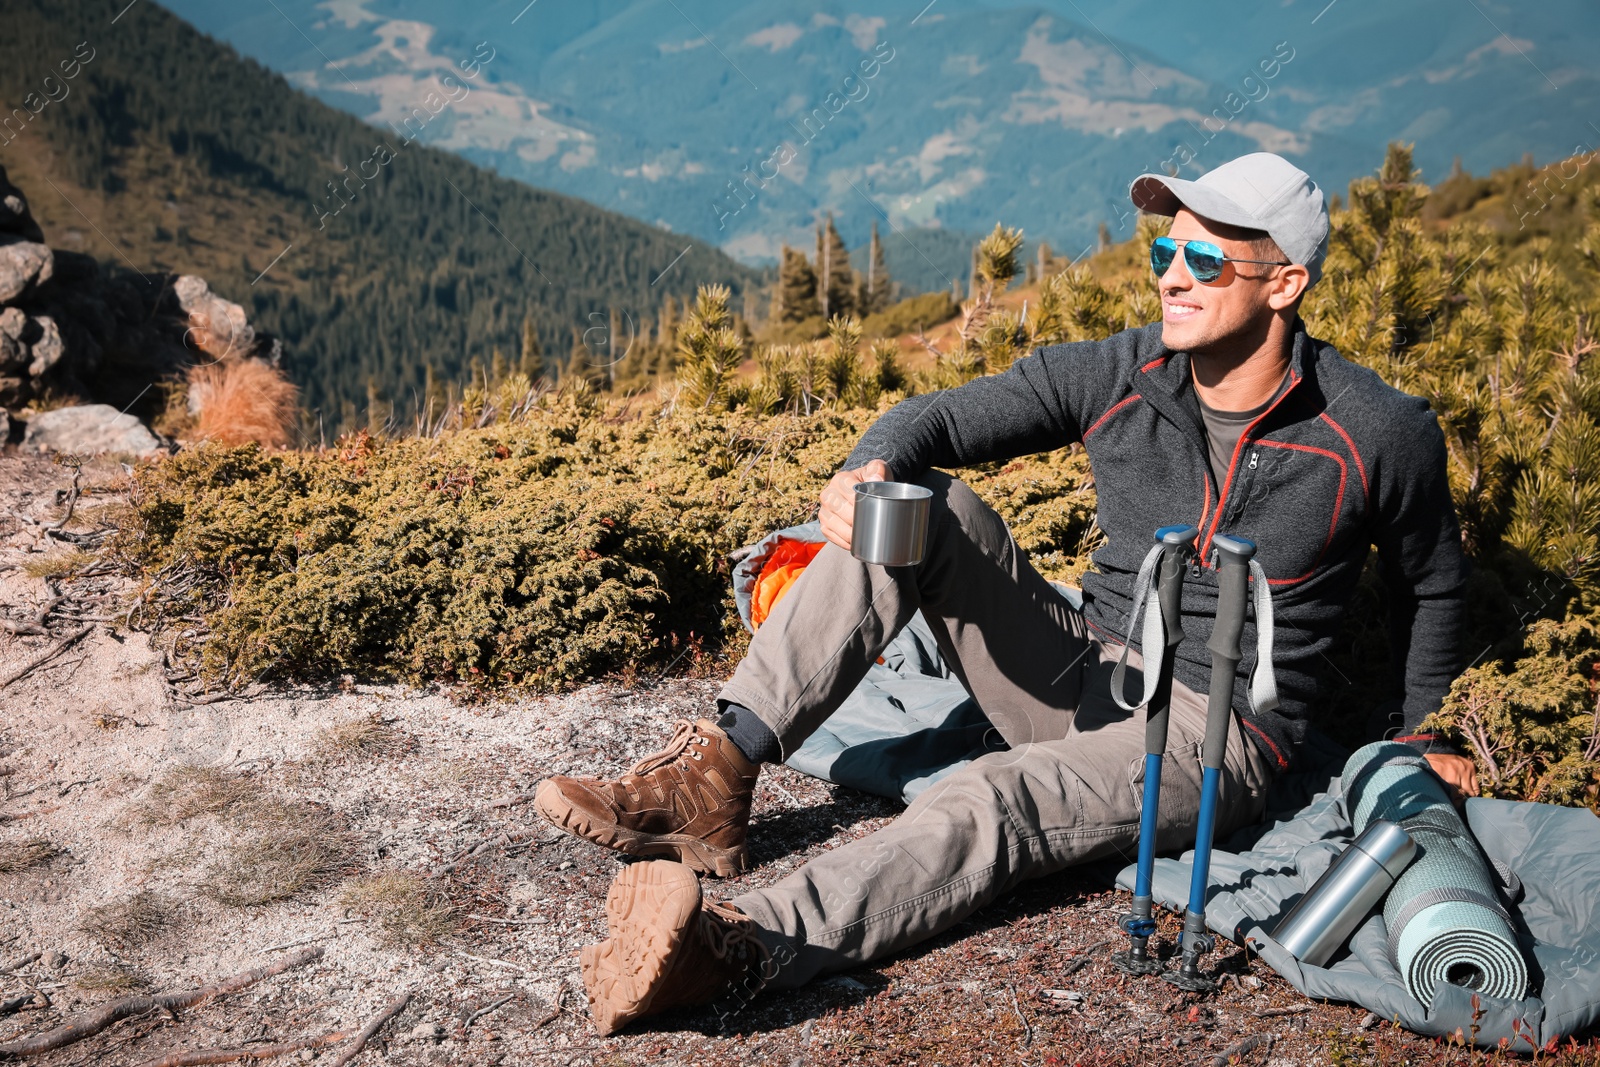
1196,317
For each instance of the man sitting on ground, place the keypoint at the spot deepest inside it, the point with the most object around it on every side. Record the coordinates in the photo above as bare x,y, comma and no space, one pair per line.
1226,415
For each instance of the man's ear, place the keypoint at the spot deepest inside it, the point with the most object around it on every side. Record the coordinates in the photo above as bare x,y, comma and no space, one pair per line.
1288,286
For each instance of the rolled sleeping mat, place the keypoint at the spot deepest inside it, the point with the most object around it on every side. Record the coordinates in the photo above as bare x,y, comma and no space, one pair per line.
1444,915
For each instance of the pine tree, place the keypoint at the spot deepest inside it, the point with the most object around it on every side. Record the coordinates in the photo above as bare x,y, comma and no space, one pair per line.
797,288
878,287
841,364
531,365
710,350
580,370
823,262
838,280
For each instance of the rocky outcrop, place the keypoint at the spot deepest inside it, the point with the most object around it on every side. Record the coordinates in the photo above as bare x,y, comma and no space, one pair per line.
72,327
30,345
24,265
218,327
89,428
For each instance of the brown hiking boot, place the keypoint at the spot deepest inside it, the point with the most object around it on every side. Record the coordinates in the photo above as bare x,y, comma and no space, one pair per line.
689,802
668,949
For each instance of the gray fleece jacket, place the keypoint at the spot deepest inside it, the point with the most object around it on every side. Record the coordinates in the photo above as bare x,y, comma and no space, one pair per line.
1340,462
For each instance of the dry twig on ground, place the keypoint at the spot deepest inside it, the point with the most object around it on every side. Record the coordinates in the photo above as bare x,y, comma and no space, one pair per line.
1249,1044
31,999
46,656
33,626
18,964
481,1012
504,839
1293,1009
91,1022
390,1010
254,1052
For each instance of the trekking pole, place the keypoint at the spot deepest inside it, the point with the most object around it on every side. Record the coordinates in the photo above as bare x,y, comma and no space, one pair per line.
1163,633
1233,596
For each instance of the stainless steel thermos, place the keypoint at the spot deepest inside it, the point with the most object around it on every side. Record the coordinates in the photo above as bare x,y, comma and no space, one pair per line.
1326,916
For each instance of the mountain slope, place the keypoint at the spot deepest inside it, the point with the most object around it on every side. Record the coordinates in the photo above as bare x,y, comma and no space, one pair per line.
1038,112
166,151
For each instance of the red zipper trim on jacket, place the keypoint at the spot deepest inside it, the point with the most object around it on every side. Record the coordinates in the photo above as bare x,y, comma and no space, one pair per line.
1361,467
1338,503
1277,754
1233,463
1118,406
1153,364
1205,508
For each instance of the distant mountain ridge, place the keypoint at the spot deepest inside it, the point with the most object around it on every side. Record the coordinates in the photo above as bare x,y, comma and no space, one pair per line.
385,266
1036,112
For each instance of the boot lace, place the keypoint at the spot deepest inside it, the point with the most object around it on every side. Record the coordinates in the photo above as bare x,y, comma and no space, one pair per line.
730,934
683,732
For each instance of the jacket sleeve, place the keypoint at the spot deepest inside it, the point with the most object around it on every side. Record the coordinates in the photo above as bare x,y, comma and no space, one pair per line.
1035,406
1424,569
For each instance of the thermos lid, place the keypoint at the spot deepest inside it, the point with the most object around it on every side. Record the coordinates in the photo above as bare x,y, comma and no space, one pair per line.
1388,845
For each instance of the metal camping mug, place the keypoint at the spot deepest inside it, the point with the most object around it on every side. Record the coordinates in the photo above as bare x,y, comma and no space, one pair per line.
1326,916
891,523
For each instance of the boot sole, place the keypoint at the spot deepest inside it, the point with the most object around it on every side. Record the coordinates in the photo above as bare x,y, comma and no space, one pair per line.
649,911
706,858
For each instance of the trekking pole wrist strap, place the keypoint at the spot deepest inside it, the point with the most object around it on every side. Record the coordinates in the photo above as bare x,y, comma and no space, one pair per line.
1153,638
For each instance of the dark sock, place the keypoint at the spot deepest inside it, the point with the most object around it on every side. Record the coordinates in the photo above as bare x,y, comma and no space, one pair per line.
749,734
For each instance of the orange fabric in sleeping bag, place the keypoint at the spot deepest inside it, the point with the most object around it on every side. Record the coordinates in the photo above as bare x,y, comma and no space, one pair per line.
782,569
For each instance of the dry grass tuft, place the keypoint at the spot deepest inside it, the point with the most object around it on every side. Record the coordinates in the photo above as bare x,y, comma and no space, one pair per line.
407,911
191,790
132,921
243,401
112,978
365,737
20,855
58,564
289,848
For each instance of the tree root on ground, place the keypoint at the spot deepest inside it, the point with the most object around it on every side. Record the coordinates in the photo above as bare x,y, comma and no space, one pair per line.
255,1052
89,1023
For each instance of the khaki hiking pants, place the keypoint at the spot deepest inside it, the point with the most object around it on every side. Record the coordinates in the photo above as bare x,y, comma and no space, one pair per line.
1068,790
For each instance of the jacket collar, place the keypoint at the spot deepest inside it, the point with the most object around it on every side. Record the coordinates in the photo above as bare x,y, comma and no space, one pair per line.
1167,382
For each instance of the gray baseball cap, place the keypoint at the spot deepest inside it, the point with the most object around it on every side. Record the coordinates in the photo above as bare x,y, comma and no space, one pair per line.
1260,191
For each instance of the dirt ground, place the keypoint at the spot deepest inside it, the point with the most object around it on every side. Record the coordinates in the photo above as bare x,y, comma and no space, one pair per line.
154,842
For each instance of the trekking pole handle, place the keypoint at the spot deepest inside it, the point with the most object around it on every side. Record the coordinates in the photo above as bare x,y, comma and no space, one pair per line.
1177,543
1233,601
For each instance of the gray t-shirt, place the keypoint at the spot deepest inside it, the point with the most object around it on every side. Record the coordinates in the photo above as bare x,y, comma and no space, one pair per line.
1223,429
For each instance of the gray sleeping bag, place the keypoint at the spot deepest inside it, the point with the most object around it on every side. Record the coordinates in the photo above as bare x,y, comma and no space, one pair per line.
910,722
1554,853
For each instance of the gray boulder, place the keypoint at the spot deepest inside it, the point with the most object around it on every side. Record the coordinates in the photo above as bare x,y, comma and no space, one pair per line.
89,428
24,265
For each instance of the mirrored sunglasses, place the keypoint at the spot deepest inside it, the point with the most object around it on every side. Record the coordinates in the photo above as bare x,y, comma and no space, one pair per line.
1204,259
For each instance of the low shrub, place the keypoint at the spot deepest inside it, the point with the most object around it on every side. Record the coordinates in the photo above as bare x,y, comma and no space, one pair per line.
560,539
537,554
